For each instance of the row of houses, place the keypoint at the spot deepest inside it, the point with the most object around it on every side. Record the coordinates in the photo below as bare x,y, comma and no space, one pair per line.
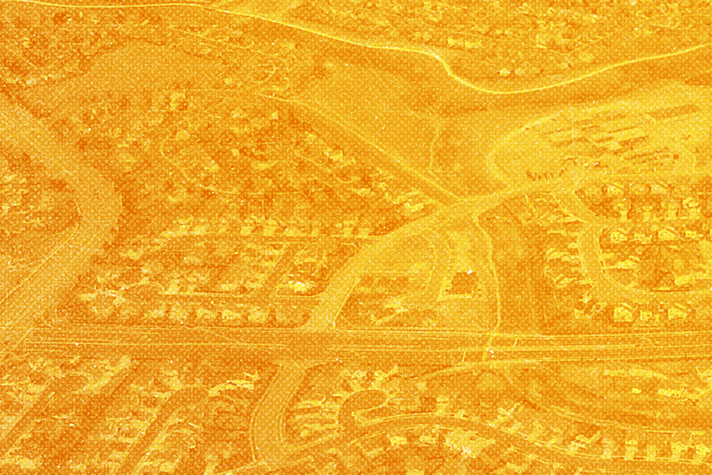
652,315
641,203
608,125
605,442
259,226
610,133
664,234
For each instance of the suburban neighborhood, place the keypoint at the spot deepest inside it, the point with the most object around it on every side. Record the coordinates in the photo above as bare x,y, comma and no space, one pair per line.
340,237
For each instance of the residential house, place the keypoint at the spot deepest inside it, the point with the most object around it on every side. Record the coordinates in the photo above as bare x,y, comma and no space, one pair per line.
618,236
642,236
680,446
623,313
622,124
702,444
631,445
678,312
622,207
614,190
647,317
600,137
667,234
554,125
567,137
631,263
658,189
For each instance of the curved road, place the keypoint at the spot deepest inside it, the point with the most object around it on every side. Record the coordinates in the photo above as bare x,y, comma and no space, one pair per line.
99,208
268,422
644,62
334,297
606,287
324,315
523,445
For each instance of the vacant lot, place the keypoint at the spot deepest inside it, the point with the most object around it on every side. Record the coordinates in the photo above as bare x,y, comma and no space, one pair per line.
134,67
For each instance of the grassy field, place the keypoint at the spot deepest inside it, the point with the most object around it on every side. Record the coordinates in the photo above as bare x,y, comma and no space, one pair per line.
129,69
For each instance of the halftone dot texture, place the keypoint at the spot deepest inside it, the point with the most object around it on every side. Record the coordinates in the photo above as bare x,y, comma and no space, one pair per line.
345,237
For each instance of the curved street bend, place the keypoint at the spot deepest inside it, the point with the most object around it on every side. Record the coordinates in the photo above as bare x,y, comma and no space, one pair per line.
418,238
98,204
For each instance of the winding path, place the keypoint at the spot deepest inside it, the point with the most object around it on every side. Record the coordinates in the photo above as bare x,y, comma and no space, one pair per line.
384,46
268,422
543,452
99,208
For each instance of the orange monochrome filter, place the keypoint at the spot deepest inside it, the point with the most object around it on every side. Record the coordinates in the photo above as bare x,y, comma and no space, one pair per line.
345,237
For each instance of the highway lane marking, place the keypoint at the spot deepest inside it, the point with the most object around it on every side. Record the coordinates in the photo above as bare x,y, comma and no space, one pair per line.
594,350
37,266
516,340
34,271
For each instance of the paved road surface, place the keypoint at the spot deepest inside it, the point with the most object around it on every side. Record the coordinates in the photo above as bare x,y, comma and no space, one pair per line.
30,415
428,297
334,297
139,449
575,206
520,443
395,345
99,207
268,422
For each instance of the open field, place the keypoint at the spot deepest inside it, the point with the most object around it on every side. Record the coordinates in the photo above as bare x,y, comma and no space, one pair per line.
331,237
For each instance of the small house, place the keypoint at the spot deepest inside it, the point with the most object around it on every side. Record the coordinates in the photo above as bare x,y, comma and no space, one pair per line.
678,312
667,234
623,313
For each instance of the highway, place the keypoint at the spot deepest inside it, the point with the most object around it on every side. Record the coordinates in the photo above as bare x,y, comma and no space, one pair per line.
227,336
395,345
268,422
99,208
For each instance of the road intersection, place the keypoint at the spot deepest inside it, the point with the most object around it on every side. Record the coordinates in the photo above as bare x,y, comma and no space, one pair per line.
320,340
